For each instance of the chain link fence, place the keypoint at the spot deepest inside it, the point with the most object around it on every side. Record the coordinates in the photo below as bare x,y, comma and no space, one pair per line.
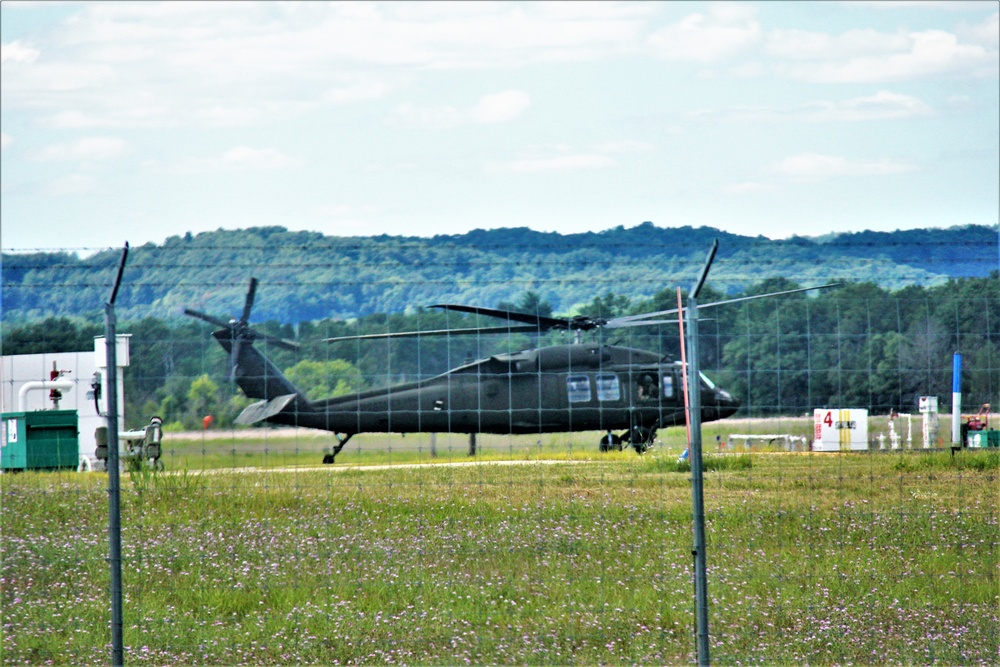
241,546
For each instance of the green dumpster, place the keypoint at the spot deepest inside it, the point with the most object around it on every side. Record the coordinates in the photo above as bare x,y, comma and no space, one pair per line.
984,439
41,440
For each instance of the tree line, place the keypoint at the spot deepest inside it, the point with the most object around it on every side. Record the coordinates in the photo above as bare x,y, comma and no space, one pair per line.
307,276
859,345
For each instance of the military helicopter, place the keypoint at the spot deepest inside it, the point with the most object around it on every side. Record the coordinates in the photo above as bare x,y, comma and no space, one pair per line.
625,392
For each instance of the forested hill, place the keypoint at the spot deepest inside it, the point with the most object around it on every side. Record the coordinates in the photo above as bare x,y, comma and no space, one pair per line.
307,275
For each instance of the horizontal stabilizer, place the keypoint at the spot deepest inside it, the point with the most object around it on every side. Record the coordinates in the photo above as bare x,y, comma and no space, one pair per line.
262,410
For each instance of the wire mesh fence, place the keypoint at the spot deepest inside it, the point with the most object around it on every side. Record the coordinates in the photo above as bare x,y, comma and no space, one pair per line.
519,518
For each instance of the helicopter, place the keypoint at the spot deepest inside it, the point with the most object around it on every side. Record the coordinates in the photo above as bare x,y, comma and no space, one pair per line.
625,392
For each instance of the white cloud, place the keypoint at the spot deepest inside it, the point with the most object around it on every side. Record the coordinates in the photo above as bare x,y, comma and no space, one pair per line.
576,162
240,158
815,166
347,212
749,188
350,89
408,115
5,141
252,158
228,116
566,158
960,103
17,53
490,109
90,149
172,64
883,105
809,45
625,147
954,5
74,184
868,56
561,157
194,64
501,107
68,120
727,30
986,33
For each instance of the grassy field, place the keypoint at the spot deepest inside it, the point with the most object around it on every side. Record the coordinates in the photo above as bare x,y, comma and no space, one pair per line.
854,558
269,448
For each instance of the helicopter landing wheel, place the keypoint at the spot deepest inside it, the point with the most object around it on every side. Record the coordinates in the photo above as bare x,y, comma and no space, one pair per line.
640,438
611,442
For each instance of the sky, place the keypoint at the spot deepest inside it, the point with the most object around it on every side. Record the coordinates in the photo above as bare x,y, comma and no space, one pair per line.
140,121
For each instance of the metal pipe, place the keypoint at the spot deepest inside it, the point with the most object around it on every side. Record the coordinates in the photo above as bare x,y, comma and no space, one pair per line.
956,399
35,385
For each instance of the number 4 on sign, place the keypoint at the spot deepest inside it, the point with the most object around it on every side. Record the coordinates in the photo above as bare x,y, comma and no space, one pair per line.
828,419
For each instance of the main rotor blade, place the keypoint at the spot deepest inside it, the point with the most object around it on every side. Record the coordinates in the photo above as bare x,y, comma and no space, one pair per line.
640,323
248,304
437,332
208,318
696,288
540,321
673,311
273,340
762,296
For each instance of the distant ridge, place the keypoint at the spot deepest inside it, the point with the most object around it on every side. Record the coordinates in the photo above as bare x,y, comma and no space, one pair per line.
307,275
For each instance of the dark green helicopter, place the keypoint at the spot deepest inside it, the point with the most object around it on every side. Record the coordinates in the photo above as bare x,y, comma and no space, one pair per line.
628,393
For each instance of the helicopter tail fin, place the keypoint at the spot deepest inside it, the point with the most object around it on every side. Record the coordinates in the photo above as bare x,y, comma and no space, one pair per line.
259,378
264,410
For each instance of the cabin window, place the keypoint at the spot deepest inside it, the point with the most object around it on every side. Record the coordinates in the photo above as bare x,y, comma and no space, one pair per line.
578,388
647,390
608,388
668,385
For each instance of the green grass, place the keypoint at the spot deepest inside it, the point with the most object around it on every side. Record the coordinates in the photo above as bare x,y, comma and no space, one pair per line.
269,448
881,558
278,448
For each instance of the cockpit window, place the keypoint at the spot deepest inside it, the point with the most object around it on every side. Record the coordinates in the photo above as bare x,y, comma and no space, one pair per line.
578,388
706,381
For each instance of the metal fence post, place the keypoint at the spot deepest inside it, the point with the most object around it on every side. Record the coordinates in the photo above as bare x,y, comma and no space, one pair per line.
114,481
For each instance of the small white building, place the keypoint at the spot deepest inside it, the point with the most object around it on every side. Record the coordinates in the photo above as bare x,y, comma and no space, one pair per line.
78,368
